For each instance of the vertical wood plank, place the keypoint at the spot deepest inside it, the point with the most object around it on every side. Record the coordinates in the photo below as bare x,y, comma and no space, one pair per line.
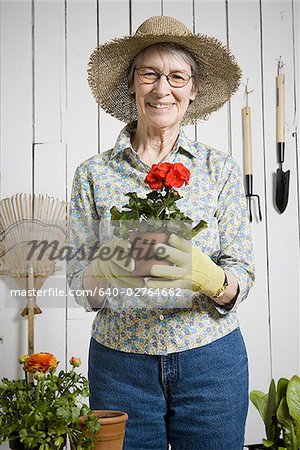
244,20
142,10
113,23
50,326
50,169
79,333
283,228
50,152
16,97
183,11
16,151
49,65
82,139
13,331
210,19
82,121
50,178
296,54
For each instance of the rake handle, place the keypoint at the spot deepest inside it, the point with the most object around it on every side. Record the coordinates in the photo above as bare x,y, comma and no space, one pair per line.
30,306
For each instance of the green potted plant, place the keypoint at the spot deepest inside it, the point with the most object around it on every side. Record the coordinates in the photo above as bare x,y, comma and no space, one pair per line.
146,221
112,432
280,412
43,413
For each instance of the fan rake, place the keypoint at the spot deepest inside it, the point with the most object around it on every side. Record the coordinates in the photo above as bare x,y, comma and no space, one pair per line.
27,220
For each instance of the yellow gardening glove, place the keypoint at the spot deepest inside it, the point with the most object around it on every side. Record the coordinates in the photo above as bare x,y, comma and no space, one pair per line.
193,269
114,264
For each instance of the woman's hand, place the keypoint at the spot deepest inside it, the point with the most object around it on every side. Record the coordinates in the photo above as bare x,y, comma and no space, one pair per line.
113,263
193,270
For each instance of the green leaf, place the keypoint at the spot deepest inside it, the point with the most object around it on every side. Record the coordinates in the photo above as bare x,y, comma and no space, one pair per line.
272,429
289,429
281,389
266,406
58,441
293,398
293,402
154,195
115,213
44,447
260,401
267,443
199,227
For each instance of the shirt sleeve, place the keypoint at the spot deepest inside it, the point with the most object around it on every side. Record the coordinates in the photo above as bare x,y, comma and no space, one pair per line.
236,250
83,233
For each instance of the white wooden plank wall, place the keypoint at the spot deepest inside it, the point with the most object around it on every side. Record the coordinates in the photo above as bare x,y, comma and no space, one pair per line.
50,123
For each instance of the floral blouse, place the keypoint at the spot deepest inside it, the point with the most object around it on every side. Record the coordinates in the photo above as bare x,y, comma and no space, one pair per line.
162,323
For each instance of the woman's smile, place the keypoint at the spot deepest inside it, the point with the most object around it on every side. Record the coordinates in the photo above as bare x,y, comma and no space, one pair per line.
160,106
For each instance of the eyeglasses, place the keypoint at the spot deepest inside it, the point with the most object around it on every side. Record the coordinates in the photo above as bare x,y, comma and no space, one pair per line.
175,79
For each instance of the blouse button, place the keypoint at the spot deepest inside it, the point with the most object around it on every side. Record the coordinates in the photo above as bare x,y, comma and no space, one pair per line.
161,317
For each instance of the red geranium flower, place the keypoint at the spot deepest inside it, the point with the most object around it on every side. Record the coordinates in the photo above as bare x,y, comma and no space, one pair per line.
168,175
157,175
177,176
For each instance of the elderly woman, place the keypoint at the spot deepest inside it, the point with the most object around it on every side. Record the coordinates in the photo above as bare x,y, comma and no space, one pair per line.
180,373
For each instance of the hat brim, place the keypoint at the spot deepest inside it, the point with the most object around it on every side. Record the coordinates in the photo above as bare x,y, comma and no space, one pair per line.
109,63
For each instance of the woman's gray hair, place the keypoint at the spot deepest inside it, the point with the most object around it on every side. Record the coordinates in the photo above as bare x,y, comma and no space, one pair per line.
175,50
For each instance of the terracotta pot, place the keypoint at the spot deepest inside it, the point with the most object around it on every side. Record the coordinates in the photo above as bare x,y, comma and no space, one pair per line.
112,431
142,251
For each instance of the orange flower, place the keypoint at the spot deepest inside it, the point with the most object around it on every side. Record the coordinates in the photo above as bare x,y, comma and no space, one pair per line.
40,362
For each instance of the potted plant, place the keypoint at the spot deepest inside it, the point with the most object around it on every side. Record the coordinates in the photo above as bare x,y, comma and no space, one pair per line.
146,221
112,432
42,414
280,412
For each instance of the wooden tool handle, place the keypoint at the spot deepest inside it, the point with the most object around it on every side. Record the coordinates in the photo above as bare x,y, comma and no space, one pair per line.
280,108
247,141
30,306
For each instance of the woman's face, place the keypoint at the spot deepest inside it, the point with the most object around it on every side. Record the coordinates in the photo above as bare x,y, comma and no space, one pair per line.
160,105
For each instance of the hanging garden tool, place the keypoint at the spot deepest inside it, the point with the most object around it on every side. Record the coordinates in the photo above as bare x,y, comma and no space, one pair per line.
247,148
282,178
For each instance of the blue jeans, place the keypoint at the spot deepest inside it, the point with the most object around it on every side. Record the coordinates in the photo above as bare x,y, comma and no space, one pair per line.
193,400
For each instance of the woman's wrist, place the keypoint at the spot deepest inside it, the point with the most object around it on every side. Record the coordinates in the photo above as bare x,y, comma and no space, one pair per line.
230,293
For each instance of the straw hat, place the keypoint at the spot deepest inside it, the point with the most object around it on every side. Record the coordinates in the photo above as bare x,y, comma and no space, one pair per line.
109,64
